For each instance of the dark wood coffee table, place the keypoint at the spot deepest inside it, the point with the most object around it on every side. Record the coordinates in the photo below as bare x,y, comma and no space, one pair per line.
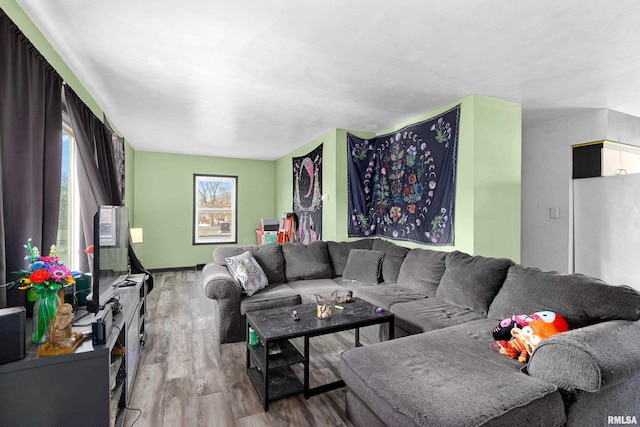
272,376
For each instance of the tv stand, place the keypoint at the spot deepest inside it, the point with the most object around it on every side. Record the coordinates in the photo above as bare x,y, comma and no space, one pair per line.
90,386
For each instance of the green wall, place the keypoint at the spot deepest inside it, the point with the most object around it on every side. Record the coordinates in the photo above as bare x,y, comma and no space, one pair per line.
487,218
163,204
497,189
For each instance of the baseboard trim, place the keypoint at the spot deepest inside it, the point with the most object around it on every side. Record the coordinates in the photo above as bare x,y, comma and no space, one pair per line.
164,270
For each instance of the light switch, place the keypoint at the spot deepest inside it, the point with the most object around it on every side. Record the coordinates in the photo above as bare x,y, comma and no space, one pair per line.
554,213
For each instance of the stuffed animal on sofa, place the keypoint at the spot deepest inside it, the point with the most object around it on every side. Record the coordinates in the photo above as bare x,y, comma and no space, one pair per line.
526,333
502,331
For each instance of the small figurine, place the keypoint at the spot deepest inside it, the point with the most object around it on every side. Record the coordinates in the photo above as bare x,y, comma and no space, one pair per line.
59,331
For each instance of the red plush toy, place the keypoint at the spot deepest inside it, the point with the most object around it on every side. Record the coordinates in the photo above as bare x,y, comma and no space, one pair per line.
526,333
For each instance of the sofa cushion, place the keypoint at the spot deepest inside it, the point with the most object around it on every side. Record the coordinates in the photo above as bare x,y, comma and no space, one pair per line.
306,261
422,269
472,281
429,314
247,273
278,295
393,259
339,253
268,256
448,377
363,266
385,295
580,299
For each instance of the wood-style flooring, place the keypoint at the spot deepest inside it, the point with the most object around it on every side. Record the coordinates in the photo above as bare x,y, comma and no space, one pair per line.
186,378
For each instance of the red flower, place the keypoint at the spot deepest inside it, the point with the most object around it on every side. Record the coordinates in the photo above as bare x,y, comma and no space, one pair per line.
407,190
39,276
411,208
412,178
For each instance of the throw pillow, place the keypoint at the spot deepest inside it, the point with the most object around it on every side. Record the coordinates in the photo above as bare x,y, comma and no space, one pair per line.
247,273
363,266
339,252
393,258
472,281
306,261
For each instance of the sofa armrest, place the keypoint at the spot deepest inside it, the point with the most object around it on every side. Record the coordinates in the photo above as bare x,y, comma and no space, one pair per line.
220,286
589,358
218,283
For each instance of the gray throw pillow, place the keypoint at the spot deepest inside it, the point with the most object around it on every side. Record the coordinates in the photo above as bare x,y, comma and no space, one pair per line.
422,270
580,299
472,281
393,259
306,261
339,253
363,266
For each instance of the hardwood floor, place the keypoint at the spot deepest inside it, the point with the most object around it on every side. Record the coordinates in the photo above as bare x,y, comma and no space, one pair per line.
186,378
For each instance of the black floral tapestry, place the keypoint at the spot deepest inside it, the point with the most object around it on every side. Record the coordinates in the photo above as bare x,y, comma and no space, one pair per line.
402,184
307,195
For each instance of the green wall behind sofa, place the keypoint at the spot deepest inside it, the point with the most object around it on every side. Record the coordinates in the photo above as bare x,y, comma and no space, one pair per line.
163,193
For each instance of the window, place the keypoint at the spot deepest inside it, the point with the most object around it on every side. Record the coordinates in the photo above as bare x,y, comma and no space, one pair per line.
68,242
214,213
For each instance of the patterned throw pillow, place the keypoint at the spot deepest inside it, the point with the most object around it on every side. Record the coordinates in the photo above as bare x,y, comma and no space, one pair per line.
247,273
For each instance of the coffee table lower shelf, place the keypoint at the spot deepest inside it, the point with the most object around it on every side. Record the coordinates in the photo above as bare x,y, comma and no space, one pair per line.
283,382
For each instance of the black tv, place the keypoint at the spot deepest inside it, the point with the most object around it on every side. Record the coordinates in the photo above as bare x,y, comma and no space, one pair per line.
110,254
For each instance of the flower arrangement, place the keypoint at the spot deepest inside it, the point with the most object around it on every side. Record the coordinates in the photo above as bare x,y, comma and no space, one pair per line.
45,276
44,272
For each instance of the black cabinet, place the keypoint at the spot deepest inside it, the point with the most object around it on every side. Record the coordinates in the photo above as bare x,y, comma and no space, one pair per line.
90,386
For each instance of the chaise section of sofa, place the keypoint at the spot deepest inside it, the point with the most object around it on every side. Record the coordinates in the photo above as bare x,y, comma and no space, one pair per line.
448,377
446,374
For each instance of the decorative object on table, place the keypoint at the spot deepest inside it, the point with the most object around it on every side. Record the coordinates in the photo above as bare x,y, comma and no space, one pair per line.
253,337
295,315
307,195
274,350
325,304
61,339
46,275
401,185
344,297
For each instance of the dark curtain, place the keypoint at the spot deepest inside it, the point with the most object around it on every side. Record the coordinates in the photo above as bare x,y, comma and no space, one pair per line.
30,150
97,172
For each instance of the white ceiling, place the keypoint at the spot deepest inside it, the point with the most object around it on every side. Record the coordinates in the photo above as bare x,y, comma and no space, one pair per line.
257,79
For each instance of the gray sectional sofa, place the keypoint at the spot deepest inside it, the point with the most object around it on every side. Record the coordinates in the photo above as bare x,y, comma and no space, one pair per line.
441,371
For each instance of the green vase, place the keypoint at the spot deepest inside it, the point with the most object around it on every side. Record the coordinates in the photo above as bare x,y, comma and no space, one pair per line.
43,311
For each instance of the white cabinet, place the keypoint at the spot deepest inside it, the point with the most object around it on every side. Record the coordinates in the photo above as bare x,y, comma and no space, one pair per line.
605,158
